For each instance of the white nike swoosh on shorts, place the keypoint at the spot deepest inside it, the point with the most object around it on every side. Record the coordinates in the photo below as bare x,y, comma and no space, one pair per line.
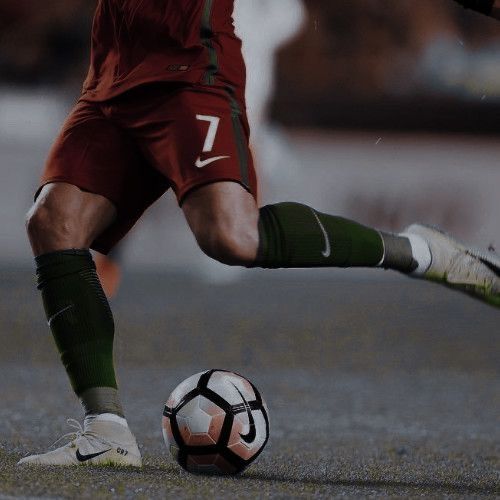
203,163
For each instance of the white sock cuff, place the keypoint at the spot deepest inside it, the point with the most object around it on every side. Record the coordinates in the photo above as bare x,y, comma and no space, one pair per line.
380,264
108,417
421,253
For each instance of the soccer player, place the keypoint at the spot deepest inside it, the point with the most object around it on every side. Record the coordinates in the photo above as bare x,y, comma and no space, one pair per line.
163,107
278,21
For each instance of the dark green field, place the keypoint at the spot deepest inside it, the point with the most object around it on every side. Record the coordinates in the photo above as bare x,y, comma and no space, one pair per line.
376,387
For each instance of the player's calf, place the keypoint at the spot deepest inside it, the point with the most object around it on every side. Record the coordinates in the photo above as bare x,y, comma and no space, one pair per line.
296,235
61,225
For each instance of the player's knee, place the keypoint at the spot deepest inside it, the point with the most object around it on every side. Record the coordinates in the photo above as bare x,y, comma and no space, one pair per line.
234,246
46,225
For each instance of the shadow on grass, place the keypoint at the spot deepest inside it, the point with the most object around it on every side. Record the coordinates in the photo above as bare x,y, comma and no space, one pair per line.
431,486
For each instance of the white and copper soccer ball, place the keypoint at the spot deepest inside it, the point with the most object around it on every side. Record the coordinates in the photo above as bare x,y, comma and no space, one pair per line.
215,422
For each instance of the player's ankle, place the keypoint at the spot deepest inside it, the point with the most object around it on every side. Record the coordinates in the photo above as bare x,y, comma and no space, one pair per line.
405,253
421,253
101,400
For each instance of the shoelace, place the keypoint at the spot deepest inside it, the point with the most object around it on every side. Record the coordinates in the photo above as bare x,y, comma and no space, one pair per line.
80,433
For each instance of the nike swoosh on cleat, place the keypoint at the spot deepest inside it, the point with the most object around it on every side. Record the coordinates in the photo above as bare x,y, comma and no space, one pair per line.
84,458
58,313
203,163
327,251
490,265
250,436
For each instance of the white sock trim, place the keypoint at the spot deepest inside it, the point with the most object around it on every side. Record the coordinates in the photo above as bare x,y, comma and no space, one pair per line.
383,253
421,253
108,417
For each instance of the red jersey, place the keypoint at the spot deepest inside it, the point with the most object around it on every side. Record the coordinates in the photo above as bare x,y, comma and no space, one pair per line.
142,41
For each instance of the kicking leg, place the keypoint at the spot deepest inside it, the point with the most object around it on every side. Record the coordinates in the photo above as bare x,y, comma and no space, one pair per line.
61,225
230,228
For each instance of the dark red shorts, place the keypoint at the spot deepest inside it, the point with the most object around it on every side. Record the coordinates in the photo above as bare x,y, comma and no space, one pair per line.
133,148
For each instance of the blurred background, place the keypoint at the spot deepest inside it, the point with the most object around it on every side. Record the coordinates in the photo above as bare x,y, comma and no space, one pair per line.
386,111
381,110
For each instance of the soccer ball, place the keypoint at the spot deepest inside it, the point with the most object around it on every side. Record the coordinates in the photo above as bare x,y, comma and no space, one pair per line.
215,422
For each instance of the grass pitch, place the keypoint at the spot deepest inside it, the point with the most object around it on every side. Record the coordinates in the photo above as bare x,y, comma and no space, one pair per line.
375,388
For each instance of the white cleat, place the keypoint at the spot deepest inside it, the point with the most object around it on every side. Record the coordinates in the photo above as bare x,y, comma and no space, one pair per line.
456,266
102,441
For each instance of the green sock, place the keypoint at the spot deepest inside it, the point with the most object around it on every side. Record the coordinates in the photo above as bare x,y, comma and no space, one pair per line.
82,325
295,235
